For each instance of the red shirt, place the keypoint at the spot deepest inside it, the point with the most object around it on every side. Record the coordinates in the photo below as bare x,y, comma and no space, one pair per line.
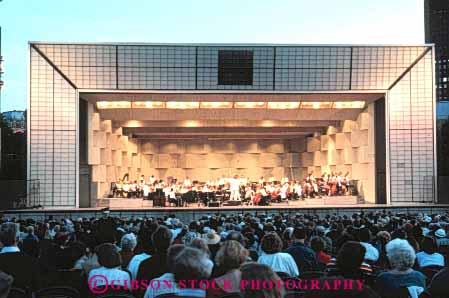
323,257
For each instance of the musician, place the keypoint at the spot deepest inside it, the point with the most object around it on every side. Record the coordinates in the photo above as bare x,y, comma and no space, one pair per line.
284,191
152,180
249,194
187,182
264,196
126,189
118,188
297,189
221,182
141,185
234,187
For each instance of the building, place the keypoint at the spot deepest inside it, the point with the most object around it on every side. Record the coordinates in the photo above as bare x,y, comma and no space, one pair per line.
99,111
436,16
15,120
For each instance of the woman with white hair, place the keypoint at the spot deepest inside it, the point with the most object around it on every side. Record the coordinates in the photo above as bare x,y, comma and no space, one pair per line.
401,257
127,245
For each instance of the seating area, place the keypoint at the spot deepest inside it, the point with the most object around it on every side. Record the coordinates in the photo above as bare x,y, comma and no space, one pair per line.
275,255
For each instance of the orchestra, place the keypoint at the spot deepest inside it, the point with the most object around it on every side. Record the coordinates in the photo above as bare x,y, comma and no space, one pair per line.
258,193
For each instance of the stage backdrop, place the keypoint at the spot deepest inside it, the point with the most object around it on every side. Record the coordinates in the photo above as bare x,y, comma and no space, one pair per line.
349,147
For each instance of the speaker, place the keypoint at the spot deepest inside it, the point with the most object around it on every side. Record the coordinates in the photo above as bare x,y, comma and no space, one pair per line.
214,204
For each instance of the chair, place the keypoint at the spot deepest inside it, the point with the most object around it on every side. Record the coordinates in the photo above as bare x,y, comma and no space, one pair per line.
294,294
311,275
430,271
117,295
57,292
18,293
170,295
398,293
231,295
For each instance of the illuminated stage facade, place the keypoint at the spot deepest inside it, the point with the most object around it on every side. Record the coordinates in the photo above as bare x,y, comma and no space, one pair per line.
204,111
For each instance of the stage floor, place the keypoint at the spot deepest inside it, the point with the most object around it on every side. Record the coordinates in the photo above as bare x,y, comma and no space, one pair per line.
139,203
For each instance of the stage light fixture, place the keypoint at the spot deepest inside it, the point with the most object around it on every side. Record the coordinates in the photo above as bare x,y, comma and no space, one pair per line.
216,105
349,105
316,105
283,105
183,105
101,105
148,104
249,105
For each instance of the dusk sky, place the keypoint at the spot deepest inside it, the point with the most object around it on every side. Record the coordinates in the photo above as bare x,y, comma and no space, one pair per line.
202,21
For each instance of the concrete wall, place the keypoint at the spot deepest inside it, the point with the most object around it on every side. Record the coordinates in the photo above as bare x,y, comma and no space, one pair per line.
210,159
111,154
349,148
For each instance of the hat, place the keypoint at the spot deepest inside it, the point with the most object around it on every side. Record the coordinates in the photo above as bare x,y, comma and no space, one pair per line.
440,233
211,237
427,219
321,229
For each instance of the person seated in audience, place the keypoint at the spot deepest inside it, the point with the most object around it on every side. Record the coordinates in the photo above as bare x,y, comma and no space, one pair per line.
201,244
30,244
401,257
167,277
228,260
127,245
442,240
23,268
146,247
272,256
259,273
110,262
429,255
350,263
212,240
192,264
439,286
156,265
317,245
303,255
372,254
5,284
321,232
382,238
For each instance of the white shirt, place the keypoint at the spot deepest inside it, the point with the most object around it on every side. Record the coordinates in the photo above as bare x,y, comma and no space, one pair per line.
134,264
234,185
424,259
372,253
280,262
7,249
113,276
156,290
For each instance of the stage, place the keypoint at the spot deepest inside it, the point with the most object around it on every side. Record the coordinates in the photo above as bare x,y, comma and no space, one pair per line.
138,208
122,203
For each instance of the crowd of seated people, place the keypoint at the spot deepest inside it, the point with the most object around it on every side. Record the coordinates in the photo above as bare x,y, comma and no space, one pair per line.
260,192
364,255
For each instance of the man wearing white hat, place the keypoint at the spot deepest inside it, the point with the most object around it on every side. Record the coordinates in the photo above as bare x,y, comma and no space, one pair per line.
442,240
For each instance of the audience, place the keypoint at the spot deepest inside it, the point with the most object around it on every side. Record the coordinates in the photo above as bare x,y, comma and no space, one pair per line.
388,252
